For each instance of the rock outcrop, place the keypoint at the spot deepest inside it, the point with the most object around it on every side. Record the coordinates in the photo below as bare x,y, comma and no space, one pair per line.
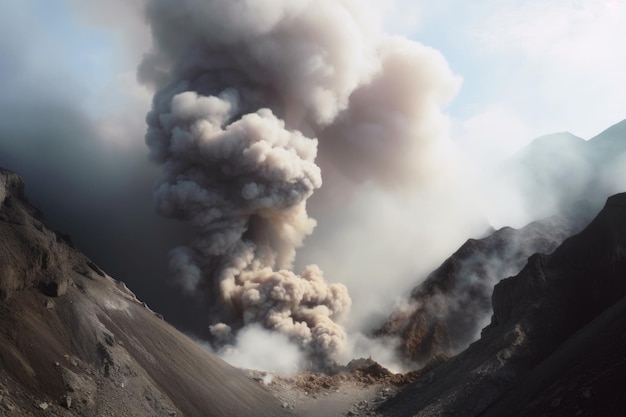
75,342
557,335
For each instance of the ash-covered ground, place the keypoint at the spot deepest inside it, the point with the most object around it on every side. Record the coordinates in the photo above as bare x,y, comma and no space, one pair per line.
356,389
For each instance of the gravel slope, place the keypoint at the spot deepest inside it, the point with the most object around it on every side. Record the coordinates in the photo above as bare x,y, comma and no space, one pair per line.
75,342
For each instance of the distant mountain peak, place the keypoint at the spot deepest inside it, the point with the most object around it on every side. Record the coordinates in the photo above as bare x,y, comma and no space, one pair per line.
615,132
552,143
558,136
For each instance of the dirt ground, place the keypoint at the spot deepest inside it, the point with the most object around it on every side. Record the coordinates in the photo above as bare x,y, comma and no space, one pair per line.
345,398
356,389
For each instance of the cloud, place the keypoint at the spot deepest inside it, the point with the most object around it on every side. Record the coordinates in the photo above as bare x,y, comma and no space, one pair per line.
255,105
401,17
550,50
492,135
259,349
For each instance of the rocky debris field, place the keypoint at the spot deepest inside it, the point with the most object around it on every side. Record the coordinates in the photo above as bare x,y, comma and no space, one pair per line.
356,389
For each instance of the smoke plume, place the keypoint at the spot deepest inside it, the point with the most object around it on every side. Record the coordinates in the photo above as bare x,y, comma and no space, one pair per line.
254,100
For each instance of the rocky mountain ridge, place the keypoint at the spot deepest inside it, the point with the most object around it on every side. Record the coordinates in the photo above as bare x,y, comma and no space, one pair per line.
447,311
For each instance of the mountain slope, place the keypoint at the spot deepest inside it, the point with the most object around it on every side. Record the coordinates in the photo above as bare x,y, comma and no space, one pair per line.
559,173
75,342
582,377
447,311
545,319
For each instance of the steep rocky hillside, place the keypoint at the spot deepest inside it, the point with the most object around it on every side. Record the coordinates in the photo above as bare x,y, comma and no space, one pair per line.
447,311
555,344
75,342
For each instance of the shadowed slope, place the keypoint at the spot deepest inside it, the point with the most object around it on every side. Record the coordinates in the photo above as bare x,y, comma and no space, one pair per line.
535,313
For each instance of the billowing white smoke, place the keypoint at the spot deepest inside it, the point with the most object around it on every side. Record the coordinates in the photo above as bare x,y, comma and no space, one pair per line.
244,186
247,91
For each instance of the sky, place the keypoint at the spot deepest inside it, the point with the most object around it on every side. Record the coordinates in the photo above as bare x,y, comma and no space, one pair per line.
530,68
72,122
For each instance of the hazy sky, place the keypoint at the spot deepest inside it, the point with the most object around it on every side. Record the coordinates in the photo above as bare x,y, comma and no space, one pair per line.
72,112
528,68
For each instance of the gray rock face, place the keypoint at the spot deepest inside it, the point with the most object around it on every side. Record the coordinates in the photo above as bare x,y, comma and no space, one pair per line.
32,256
538,317
73,338
11,184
